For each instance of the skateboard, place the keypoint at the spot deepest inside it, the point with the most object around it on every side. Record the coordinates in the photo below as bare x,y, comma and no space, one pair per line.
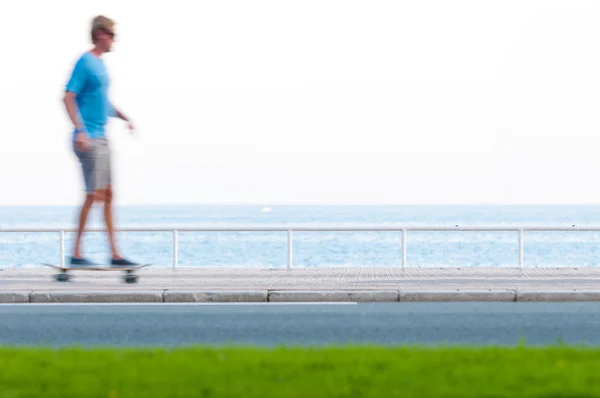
129,276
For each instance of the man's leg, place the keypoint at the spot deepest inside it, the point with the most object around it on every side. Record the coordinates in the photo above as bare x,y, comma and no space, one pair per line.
87,161
83,214
108,218
104,175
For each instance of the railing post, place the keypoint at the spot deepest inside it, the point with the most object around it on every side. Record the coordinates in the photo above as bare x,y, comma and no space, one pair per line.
403,249
520,249
289,249
62,248
175,248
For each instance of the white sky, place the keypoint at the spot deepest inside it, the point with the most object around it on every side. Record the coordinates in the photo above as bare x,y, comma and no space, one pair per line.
313,102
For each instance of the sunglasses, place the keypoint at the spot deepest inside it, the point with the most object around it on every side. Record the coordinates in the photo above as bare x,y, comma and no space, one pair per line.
109,33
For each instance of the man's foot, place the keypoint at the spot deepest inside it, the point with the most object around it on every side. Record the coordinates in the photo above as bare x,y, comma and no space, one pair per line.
81,262
122,262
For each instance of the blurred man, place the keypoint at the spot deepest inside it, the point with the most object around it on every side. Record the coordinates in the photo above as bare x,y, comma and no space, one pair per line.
89,107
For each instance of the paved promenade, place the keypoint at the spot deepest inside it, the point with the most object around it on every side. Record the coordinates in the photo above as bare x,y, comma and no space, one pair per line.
304,284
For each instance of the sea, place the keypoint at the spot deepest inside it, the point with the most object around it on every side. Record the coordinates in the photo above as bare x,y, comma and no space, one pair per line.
312,249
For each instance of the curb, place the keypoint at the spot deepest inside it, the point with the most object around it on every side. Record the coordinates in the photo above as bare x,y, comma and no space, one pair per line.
97,296
457,295
14,297
282,296
333,295
558,296
221,296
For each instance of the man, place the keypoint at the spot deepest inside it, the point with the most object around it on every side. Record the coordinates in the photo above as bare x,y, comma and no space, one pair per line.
89,107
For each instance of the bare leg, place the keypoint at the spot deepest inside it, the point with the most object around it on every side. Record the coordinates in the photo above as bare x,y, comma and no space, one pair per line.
83,214
108,217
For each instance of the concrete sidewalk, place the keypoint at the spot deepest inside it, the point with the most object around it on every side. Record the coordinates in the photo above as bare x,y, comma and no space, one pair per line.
304,285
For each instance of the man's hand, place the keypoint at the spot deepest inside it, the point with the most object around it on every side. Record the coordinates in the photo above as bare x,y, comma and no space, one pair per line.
82,141
122,116
131,128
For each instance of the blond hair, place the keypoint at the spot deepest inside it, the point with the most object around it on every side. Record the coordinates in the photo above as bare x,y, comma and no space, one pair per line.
100,23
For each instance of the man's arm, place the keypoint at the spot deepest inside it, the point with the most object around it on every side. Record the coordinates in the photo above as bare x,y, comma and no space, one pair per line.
81,138
74,87
72,109
119,114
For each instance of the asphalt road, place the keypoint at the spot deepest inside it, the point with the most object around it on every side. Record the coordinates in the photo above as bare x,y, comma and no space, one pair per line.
300,324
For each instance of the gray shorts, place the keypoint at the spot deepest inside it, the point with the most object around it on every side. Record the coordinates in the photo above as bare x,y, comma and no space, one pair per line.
96,165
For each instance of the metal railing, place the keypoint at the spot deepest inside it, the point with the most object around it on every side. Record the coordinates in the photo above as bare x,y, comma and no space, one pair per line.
323,228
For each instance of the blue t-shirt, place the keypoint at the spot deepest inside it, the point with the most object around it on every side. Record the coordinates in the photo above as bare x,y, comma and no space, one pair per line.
90,82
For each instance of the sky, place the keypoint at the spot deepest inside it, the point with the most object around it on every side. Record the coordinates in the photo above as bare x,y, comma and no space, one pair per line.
312,102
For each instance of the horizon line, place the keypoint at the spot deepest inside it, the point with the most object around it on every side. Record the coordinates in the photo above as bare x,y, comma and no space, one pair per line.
271,205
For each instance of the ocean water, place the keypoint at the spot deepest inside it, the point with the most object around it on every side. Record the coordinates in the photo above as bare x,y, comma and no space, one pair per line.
313,249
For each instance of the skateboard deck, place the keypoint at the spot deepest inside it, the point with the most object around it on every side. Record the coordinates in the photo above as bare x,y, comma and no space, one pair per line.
96,267
63,276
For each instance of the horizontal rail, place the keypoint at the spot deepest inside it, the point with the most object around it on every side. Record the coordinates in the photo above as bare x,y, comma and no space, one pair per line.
300,228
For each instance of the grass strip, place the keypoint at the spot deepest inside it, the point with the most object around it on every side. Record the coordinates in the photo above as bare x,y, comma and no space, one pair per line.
281,372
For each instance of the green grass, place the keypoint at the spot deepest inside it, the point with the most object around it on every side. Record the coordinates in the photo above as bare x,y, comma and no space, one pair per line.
300,372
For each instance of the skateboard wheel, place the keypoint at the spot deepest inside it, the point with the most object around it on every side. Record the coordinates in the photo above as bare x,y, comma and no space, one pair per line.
130,278
62,277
